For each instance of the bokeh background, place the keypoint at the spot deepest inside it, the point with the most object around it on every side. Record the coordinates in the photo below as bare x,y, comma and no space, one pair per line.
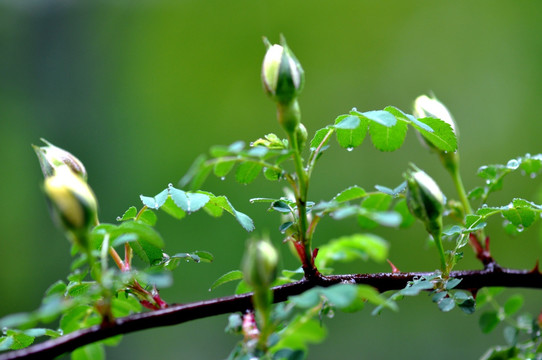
137,89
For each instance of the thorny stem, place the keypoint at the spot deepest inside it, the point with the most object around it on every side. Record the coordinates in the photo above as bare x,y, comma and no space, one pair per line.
177,314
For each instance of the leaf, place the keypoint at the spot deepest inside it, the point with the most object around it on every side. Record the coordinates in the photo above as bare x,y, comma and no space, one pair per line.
380,117
347,122
223,167
227,277
172,209
19,340
319,136
520,216
513,304
128,214
247,172
188,202
148,217
375,202
489,321
196,174
299,332
351,193
221,202
388,138
446,304
350,248
144,233
442,136
407,218
89,352
155,202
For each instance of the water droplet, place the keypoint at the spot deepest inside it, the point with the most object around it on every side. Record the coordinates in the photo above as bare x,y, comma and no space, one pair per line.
60,331
520,228
187,260
170,185
349,148
119,218
510,206
484,206
488,182
532,176
4,330
223,178
527,156
512,164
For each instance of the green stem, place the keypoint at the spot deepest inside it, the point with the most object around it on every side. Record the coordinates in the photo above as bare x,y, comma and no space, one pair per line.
440,248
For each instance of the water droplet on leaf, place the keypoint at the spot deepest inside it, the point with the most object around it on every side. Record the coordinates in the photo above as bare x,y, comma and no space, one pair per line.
532,176
223,178
170,185
512,164
349,148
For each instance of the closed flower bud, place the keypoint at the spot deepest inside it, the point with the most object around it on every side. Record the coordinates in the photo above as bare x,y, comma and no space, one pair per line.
260,264
301,136
425,106
73,203
425,199
52,157
282,74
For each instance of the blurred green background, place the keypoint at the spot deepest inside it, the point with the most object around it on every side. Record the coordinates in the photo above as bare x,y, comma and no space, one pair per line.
137,89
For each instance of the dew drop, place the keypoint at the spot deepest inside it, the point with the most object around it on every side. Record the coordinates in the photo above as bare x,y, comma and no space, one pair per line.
223,178
512,164
119,218
349,148
4,331
60,332
488,182
170,185
484,206
520,228
532,176
510,206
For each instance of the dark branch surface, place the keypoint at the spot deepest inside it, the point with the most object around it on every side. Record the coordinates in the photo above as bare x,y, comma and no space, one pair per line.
177,314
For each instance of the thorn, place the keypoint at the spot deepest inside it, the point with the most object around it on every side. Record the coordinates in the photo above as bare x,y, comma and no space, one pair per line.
474,292
536,269
394,269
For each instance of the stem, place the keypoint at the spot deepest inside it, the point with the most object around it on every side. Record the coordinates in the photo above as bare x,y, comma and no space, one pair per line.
471,280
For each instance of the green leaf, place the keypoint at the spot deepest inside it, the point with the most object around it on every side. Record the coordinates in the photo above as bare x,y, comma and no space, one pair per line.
520,216
319,136
350,130
218,203
128,214
223,167
172,209
350,248
196,174
402,209
299,332
247,172
75,290
144,233
58,287
388,138
94,351
489,321
155,202
375,202
347,122
442,136
272,174
446,304
124,305
380,117
513,304
20,339
352,193
188,202
6,342
37,332
148,217
227,277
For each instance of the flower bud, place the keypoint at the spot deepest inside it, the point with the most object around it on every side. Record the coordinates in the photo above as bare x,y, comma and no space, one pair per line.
282,74
425,106
51,157
73,203
425,199
301,136
260,264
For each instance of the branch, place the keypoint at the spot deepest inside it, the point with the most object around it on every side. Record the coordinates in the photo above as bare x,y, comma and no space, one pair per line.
472,280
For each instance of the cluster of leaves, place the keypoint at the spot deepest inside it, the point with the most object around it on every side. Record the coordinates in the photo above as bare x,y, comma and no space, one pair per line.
521,332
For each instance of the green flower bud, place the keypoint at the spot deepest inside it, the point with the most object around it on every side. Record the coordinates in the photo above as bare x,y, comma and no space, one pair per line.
260,264
52,157
282,74
301,136
73,203
425,199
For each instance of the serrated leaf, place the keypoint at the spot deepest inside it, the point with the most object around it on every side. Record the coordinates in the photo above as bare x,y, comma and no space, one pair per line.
172,209
319,136
446,304
520,216
374,203
156,201
128,214
386,138
272,174
352,193
442,136
247,172
380,117
350,248
144,233
299,332
6,342
347,122
227,277
218,203
75,290
196,174
407,218
148,217
59,287
20,339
